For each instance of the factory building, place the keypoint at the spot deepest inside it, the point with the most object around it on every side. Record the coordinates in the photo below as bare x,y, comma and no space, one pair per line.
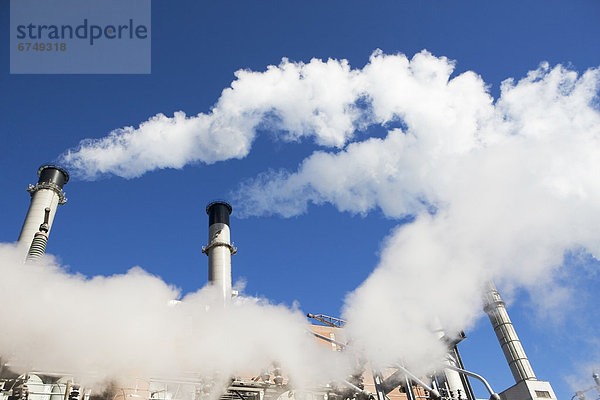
453,382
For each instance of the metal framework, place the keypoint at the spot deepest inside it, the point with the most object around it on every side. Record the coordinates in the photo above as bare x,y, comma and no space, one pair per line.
327,320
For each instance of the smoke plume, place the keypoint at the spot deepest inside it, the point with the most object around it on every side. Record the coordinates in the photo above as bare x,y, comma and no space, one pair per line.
104,328
314,100
495,188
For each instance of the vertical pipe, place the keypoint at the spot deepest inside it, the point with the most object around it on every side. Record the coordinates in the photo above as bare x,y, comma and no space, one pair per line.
453,380
38,245
47,193
507,336
456,385
408,389
219,248
464,379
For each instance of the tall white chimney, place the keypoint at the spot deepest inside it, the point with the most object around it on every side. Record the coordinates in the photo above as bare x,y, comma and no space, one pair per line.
527,386
47,193
219,248
507,336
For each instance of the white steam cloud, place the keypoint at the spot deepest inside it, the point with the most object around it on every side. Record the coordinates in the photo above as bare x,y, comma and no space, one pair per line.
315,99
497,188
104,328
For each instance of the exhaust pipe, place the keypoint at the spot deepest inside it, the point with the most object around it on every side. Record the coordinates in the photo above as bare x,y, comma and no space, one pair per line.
47,193
219,249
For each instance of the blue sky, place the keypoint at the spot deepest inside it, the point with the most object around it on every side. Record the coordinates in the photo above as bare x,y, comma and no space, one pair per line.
158,220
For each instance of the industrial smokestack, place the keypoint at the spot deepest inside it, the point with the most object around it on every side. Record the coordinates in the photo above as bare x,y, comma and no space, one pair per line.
47,193
219,248
507,336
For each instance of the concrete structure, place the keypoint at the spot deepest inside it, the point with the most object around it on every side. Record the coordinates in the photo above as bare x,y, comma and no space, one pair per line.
47,193
528,390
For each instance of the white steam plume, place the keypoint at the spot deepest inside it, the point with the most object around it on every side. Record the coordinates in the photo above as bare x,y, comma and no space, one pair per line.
315,99
126,325
497,190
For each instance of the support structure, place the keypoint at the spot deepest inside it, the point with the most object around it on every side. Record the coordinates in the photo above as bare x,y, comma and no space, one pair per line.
47,193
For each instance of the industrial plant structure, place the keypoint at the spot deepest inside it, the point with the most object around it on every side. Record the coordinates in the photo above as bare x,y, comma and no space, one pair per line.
394,383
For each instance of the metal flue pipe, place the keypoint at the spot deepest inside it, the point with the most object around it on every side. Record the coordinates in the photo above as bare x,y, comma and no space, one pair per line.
507,336
47,193
219,248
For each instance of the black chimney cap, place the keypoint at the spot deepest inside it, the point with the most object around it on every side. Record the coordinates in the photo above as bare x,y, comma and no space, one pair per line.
53,173
218,212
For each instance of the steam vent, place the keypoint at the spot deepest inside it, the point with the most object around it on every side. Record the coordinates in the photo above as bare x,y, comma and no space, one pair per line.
452,381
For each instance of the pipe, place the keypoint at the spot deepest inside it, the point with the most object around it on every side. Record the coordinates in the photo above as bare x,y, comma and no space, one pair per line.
398,378
357,389
463,378
379,385
340,344
410,393
493,395
38,245
68,390
47,193
434,393
219,248
495,308
452,379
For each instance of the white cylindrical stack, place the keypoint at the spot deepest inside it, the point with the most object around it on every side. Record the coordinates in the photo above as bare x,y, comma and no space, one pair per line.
47,193
219,248
219,259
455,384
507,336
